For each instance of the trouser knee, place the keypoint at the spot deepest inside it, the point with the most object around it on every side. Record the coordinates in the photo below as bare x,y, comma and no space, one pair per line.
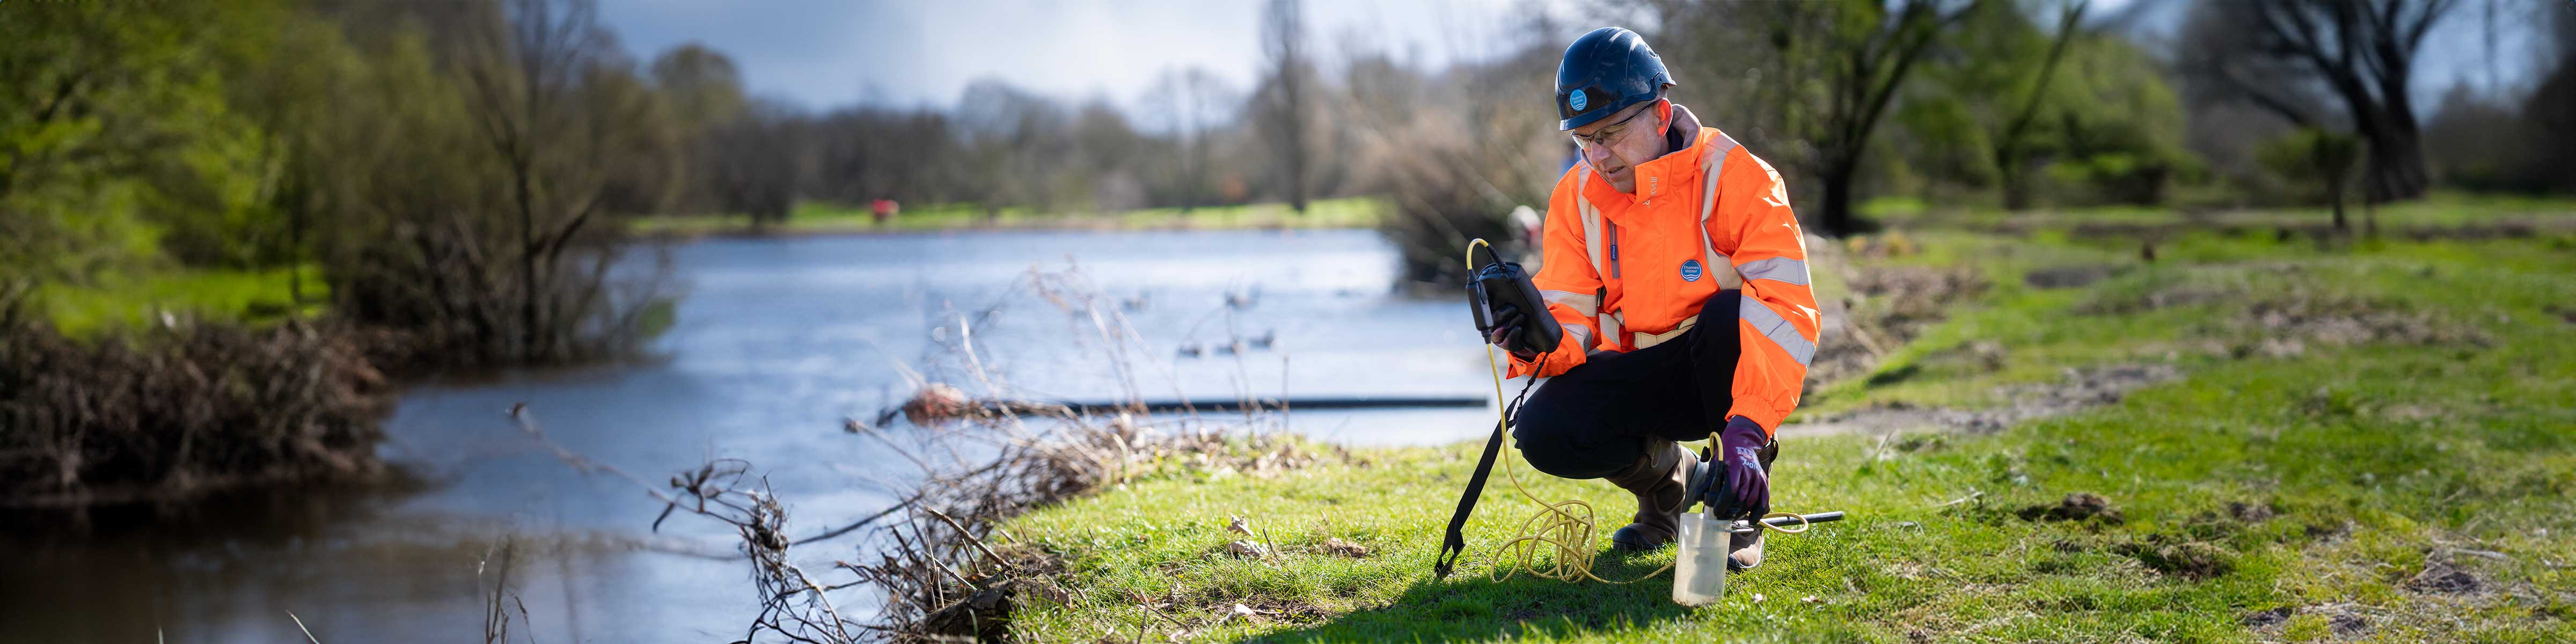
1557,440
1552,451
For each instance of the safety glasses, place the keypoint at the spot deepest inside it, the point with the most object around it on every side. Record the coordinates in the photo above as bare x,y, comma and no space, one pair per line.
1607,135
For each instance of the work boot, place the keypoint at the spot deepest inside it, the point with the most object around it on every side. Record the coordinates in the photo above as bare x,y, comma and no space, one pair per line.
1746,550
1661,480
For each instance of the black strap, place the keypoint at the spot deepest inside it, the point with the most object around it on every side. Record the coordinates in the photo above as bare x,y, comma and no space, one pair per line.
1455,544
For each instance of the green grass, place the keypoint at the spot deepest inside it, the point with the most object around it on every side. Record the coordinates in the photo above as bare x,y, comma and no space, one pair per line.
823,217
128,301
2441,209
2454,427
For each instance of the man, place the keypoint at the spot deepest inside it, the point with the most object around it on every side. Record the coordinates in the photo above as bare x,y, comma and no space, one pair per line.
1672,261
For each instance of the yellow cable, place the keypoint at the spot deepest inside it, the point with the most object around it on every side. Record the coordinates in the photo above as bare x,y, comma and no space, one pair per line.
1559,525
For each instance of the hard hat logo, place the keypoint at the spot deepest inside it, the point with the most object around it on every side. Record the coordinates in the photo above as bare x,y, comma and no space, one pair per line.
1605,71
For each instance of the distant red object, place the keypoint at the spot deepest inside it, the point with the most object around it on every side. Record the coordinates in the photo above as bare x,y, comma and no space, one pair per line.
884,209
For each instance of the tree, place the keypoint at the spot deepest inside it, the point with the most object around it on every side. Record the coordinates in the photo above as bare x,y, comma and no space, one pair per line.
552,97
2012,145
1017,141
1190,102
2321,157
703,92
751,162
1828,72
119,140
1285,102
2362,52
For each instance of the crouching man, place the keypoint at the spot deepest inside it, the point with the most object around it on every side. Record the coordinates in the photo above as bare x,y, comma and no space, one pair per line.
1672,261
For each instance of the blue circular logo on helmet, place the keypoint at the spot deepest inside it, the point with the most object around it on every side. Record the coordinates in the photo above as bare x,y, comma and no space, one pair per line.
1575,100
1690,270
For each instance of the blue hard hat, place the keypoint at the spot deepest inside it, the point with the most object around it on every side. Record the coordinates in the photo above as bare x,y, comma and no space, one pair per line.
1606,71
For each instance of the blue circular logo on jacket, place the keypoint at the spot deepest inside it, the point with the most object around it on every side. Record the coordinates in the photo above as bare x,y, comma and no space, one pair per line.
1690,270
1575,100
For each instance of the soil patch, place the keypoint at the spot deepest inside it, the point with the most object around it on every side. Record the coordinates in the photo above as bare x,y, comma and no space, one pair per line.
2251,512
2067,276
1880,309
2191,559
2082,388
2080,506
2443,578
2262,618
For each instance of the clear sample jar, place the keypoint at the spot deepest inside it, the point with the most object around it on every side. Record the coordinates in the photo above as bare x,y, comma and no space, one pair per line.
1699,563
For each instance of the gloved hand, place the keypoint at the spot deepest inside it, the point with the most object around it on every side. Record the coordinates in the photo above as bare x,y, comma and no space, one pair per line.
1506,333
1748,488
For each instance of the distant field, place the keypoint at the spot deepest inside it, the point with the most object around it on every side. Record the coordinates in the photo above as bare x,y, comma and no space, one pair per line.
822,217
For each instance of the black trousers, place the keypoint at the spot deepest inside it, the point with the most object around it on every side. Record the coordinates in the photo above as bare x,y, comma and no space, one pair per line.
1600,416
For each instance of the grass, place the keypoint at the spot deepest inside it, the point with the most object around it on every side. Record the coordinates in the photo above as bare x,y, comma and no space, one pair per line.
133,300
823,217
2438,209
2428,408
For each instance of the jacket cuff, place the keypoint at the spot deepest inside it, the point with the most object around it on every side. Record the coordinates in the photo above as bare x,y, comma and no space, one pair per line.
1568,353
1761,412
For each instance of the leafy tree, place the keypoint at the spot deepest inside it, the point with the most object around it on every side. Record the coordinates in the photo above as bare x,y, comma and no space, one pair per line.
120,137
2111,124
1996,78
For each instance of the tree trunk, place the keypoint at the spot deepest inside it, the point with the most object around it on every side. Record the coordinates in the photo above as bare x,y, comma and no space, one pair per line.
2396,161
2334,195
2016,186
1838,217
527,271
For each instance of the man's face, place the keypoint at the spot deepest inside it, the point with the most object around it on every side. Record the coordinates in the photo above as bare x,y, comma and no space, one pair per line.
1616,144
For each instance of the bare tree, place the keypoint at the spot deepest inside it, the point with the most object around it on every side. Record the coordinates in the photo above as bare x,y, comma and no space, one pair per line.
1018,141
1191,102
754,162
1827,71
1286,104
2360,51
549,94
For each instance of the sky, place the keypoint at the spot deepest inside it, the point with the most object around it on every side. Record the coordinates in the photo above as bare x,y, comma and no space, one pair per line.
821,54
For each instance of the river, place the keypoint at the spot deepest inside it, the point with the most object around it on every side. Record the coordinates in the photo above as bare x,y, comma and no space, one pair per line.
775,342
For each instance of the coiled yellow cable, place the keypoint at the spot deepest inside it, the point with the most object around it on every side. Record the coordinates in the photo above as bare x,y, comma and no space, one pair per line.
1565,527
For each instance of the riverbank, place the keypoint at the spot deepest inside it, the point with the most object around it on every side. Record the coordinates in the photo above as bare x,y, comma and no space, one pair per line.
2304,441
826,218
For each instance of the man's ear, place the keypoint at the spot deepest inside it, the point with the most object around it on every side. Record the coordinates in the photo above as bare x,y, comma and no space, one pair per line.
1664,111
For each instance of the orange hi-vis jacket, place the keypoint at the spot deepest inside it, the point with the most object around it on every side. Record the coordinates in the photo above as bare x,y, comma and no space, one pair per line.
1624,272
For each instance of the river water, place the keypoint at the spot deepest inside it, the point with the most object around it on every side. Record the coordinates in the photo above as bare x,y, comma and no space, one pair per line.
775,343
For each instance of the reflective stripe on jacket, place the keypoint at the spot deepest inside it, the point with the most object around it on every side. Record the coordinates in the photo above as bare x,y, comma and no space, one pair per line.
1623,272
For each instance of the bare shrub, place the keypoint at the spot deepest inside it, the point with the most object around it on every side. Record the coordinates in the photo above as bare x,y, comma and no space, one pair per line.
179,409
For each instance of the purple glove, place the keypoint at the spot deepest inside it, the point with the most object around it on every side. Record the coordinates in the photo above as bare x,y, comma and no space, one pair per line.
1748,489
